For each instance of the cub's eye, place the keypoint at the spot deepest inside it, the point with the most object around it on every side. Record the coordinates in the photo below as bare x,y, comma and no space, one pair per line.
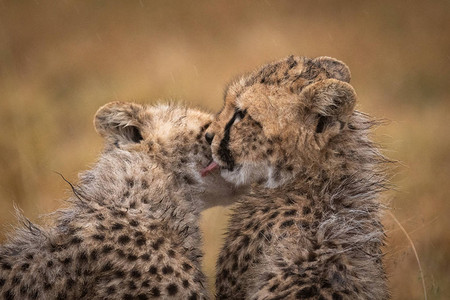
239,115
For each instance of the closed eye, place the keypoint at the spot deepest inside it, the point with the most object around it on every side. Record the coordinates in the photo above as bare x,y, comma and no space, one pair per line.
239,115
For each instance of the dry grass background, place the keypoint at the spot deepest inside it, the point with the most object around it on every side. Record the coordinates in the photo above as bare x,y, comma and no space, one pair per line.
61,60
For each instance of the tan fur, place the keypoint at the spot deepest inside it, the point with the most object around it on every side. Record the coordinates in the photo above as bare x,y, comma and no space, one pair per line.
311,227
131,230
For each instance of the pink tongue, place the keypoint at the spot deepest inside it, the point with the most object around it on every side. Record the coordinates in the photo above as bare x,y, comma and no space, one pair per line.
212,166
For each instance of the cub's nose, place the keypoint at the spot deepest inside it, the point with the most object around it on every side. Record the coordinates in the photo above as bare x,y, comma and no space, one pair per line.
209,137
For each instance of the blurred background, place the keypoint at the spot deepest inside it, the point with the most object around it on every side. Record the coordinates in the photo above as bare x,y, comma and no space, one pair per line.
61,60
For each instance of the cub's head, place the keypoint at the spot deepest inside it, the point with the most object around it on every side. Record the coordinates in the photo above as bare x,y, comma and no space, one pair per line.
280,120
166,132
165,141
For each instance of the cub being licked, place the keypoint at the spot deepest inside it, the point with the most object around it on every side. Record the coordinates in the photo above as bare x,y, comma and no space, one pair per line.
310,227
131,229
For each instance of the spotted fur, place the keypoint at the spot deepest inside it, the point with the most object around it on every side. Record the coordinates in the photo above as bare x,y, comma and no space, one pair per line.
310,228
131,229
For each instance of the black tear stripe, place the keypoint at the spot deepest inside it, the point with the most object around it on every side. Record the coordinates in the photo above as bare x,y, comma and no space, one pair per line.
224,151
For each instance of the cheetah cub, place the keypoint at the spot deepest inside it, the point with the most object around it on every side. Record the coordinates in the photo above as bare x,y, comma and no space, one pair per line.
310,228
131,230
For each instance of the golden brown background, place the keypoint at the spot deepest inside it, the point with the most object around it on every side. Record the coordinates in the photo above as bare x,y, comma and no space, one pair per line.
61,60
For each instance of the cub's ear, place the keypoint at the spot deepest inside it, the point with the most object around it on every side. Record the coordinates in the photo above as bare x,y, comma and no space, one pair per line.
334,68
120,122
328,106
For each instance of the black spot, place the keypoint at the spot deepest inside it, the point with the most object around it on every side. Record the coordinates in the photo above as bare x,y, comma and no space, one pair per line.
120,214
186,266
132,257
135,274
269,276
287,223
6,266
117,226
142,297
47,286
16,280
100,227
130,182
83,257
172,289
2,282
25,266
66,261
134,223
8,295
312,256
141,241
132,285
98,237
158,243
273,287
119,274
244,269
155,292
307,292
318,214
225,273
144,199
167,270
153,270
107,267
29,256
61,296
338,279
306,210
246,241
261,234
144,184
336,296
274,215
185,283
171,253
145,256
189,180
146,283
94,254
127,297
290,212
193,296
111,290
23,289
70,283
123,239
76,240
107,249
50,264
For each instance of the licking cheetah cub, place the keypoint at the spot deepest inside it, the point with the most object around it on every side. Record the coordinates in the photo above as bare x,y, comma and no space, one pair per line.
131,231
311,227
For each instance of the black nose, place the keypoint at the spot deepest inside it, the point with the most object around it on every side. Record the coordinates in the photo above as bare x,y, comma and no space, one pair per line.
209,137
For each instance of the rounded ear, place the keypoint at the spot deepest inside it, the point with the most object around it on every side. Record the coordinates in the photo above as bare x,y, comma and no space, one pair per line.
334,68
329,104
120,121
